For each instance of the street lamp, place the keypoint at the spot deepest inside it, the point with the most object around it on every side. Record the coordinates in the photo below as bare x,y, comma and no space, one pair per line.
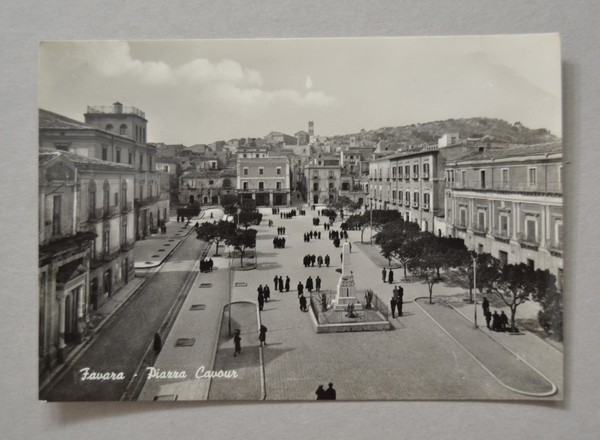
371,222
475,291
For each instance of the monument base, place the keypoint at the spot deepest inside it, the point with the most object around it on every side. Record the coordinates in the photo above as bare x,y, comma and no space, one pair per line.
341,302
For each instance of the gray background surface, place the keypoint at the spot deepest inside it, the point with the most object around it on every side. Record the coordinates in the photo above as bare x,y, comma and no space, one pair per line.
23,24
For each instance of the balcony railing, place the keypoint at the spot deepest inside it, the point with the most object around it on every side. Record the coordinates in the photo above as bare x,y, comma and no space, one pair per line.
112,109
127,207
547,187
407,203
426,206
127,246
110,211
528,241
147,201
415,176
95,214
425,176
480,230
501,235
407,177
415,204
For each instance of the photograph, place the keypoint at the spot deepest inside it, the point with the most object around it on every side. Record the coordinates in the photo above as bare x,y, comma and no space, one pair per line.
407,190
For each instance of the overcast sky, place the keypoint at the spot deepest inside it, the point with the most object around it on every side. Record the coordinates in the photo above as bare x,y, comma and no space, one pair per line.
208,90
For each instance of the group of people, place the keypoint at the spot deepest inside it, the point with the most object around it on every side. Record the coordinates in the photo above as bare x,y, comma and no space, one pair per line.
281,230
264,294
279,284
326,394
310,285
310,260
388,276
288,215
309,235
397,300
327,226
316,221
338,234
279,242
206,265
494,321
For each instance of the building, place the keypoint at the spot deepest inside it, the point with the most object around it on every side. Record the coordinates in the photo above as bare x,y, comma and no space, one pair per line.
323,178
86,236
207,187
508,202
115,134
302,137
276,138
264,179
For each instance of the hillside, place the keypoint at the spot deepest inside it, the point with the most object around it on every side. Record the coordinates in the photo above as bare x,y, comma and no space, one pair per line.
497,130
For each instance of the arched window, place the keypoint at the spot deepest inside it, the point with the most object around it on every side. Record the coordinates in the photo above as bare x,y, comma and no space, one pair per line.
124,195
123,129
109,127
106,201
92,198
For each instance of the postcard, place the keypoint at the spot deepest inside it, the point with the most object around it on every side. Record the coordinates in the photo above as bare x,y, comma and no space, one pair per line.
301,219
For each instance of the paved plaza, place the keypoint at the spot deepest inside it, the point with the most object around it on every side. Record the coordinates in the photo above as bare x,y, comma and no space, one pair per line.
432,351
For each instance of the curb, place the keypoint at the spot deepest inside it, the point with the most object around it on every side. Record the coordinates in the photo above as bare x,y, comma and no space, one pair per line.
526,393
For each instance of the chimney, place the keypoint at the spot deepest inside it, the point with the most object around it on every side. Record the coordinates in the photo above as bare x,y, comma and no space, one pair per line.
117,107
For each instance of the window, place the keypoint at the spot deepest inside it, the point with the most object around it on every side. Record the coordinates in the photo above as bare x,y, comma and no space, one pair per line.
315,186
558,232
480,249
116,199
130,159
149,163
245,185
141,161
106,200
504,225
278,185
62,147
426,200
481,220
118,155
261,171
530,230
416,198
279,171
210,182
407,197
425,170
503,257
92,198
166,168
400,196
106,240
124,194
463,217
109,127
104,152
416,171
261,185
463,177
482,178
123,129
330,185
531,264
532,176
504,178
245,171
407,171
124,230
56,215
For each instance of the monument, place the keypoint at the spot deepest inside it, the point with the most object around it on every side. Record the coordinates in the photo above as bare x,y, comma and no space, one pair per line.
346,288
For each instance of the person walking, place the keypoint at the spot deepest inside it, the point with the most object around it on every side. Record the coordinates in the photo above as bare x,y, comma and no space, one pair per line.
393,303
488,317
260,290
300,288
287,283
275,282
485,305
320,393
383,274
266,293
309,284
327,260
318,283
503,321
330,393
495,321
280,283
262,335
237,341
391,276
320,260
302,301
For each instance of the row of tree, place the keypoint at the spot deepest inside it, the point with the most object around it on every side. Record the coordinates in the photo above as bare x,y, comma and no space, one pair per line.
426,256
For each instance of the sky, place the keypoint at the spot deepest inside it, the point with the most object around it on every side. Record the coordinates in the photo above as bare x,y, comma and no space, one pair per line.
201,91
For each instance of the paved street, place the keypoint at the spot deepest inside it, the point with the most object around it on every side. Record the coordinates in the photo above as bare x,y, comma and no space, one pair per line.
416,360
122,342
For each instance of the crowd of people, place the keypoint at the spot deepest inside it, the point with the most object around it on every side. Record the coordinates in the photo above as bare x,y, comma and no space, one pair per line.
288,215
326,394
311,235
397,300
387,276
279,242
494,321
316,221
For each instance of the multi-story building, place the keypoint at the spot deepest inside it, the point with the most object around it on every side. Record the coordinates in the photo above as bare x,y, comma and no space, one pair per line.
115,134
264,179
207,187
276,138
323,179
86,236
302,137
508,202
410,182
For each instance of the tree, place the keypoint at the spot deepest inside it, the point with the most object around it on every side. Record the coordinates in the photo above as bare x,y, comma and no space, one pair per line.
398,239
377,218
513,284
464,265
240,240
550,297
425,265
189,211
217,232
248,217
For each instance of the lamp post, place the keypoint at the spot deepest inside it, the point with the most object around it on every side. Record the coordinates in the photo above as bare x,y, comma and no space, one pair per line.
229,307
475,291
371,222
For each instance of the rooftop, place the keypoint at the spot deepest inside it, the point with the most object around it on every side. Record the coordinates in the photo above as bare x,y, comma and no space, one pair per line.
515,151
81,162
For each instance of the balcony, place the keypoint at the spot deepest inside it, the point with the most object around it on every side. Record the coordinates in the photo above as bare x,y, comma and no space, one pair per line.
555,247
461,227
95,214
528,241
399,176
127,246
501,235
425,176
146,202
407,177
425,206
479,230
110,211
114,109
415,176
407,203
126,207
415,205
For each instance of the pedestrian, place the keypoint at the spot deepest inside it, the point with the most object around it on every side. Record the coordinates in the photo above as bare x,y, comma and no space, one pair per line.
280,283
262,335
275,282
503,321
350,247
323,303
485,305
391,276
320,261
266,293
312,260
318,283
400,300
309,284
261,301
287,283
300,288
495,321
341,257
320,393
319,235
260,290
210,264
383,274
393,303
327,260
330,393
237,341
303,303
488,317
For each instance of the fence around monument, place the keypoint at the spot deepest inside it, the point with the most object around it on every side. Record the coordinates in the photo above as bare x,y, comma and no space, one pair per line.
331,316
